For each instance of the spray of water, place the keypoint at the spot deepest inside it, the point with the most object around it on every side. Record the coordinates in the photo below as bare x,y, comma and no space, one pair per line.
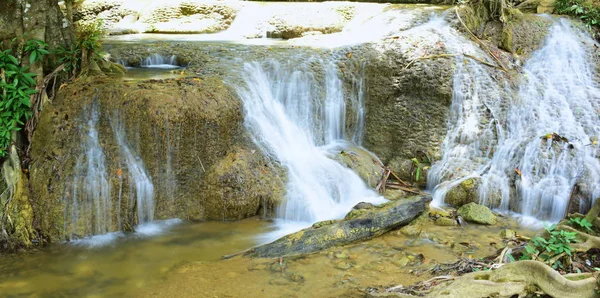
294,112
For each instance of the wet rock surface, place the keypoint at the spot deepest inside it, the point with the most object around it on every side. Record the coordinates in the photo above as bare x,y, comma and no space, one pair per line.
189,135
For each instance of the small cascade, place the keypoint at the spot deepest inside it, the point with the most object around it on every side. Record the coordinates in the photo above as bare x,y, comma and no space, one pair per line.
294,115
512,144
558,95
473,126
88,205
141,189
159,61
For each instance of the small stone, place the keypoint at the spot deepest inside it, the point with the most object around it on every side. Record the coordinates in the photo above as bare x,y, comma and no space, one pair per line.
477,213
508,234
402,262
410,230
439,213
445,222
363,205
296,277
342,265
341,256
459,248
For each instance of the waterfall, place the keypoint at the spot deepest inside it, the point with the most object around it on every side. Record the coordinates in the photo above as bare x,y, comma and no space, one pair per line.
503,140
296,111
159,61
141,189
89,205
558,95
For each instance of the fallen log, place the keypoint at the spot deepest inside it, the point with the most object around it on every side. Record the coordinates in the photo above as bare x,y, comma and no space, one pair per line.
367,224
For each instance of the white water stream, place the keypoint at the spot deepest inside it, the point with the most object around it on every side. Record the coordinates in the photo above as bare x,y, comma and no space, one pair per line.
89,207
295,115
501,140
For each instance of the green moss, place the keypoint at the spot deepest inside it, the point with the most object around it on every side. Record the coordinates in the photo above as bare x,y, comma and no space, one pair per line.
477,213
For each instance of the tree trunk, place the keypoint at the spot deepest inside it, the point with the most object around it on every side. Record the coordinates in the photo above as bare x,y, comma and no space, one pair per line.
20,21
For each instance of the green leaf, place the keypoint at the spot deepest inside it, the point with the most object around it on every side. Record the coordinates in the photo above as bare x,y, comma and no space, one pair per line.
32,57
25,101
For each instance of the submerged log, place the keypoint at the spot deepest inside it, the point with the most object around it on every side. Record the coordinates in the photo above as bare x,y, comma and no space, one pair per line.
359,225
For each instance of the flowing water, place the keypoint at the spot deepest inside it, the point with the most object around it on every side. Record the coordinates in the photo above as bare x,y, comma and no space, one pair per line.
160,61
295,110
141,188
506,141
89,206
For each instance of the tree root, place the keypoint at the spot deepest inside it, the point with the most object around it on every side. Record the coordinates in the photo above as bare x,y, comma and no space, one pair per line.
500,65
454,55
513,279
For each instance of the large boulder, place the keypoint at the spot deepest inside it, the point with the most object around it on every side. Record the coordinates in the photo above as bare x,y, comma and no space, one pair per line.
368,224
407,106
184,137
362,162
240,175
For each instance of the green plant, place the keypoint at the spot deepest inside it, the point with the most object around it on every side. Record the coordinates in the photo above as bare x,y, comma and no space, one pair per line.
87,47
36,49
584,10
70,57
89,36
17,86
551,249
581,222
417,165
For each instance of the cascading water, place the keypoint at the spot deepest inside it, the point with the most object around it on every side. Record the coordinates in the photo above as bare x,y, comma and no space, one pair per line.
295,117
141,189
473,128
89,206
506,147
159,61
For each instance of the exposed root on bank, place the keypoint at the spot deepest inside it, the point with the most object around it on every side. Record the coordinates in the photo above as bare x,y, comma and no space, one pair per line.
500,65
517,279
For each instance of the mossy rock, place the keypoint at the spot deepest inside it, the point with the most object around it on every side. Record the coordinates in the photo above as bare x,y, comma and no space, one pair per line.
477,213
364,163
524,33
445,222
188,132
464,193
